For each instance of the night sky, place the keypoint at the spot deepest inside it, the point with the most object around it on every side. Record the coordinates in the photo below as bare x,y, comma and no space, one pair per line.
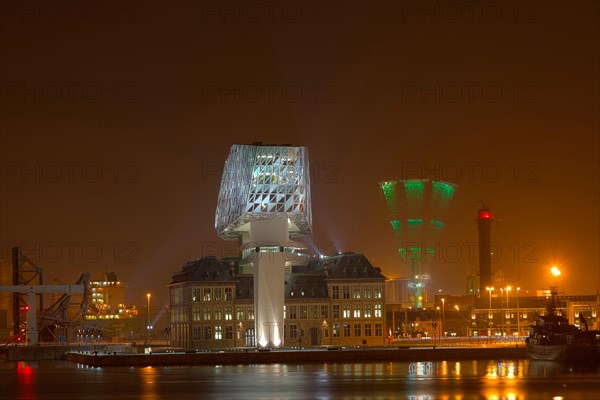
117,116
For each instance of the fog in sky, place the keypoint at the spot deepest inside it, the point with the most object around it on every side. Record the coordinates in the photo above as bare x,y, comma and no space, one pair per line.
116,119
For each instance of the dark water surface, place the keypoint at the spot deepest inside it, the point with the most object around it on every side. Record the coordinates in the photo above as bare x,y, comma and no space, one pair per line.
477,379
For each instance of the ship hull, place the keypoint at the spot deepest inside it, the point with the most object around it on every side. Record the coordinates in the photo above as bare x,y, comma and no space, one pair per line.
564,352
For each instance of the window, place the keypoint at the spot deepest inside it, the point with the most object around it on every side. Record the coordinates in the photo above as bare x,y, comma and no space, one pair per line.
313,312
356,292
357,330
368,330
207,333
293,331
336,311
377,310
303,312
196,333
324,311
367,292
228,313
176,296
378,329
367,310
336,330
346,292
284,313
293,312
196,316
207,313
196,294
346,330
229,332
357,311
228,294
346,310
335,292
206,296
218,332
217,294
377,291
240,313
217,313
251,312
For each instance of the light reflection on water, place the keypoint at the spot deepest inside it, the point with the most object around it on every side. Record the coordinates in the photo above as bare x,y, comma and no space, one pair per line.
419,380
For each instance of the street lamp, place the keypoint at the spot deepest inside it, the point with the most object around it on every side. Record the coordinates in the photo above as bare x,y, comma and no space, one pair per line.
503,312
443,307
518,317
490,289
507,312
148,320
556,273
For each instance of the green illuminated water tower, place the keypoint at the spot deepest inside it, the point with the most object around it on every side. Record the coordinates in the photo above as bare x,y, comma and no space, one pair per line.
416,209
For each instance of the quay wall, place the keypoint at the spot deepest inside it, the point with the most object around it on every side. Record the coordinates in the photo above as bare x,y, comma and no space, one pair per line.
295,357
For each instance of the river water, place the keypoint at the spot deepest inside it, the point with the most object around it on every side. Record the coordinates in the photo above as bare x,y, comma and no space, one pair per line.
476,379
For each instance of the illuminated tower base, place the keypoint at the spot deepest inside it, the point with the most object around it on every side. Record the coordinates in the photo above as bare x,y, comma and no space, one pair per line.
269,238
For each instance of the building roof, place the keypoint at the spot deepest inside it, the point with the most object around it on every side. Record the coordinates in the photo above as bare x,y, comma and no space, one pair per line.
347,266
305,282
306,286
206,269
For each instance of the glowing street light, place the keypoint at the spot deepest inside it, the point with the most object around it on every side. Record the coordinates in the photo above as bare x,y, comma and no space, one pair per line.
443,307
148,320
555,272
490,289
518,317
507,312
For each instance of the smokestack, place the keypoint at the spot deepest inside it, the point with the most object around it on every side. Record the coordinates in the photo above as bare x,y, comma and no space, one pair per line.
484,226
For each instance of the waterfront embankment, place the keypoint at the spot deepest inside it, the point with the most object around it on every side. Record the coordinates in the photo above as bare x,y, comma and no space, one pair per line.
99,359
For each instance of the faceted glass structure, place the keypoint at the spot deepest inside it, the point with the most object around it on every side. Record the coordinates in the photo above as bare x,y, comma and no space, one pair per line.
264,182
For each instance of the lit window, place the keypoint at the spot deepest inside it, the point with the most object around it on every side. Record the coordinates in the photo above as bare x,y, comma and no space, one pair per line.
346,310
377,291
367,292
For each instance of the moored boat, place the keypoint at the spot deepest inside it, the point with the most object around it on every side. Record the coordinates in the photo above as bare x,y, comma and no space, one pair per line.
554,338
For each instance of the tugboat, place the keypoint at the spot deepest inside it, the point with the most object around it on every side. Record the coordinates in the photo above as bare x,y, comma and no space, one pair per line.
553,338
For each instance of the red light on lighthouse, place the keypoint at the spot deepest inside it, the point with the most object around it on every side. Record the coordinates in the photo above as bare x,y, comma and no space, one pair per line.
484,214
